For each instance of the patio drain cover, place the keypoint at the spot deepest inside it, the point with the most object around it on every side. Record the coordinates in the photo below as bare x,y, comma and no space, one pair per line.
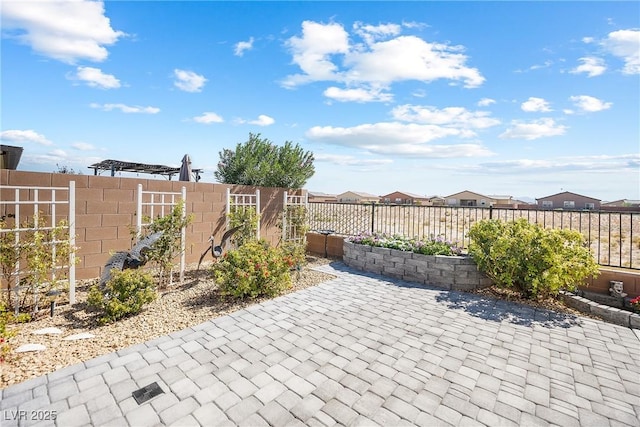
147,392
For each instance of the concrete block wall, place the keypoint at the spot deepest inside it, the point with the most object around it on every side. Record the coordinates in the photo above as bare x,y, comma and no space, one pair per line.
449,272
106,211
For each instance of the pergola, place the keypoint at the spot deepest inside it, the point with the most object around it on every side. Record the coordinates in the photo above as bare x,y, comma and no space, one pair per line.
120,166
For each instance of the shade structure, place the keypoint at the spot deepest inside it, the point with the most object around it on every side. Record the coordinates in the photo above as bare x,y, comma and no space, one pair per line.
185,169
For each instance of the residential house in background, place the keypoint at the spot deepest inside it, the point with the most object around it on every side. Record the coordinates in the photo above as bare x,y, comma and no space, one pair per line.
357,197
404,198
436,201
318,197
623,203
501,201
469,198
568,200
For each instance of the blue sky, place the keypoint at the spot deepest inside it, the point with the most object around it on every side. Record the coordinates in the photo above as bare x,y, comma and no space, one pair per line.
517,98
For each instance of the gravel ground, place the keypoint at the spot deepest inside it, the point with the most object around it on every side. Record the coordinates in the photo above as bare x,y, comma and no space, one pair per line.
179,307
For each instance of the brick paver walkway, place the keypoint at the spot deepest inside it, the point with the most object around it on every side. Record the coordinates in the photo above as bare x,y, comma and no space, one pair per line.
356,350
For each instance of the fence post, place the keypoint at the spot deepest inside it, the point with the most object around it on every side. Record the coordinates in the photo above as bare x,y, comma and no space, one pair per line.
139,210
183,236
490,212
285,234
373,217
72,242
258,212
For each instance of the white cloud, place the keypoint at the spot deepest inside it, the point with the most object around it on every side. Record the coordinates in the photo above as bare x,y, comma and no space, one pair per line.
371,33
378,62
591,65
312,52
83,146
449,116
485,102
262,120
398,139
533,130
346,160
411,58
534,104
240,47
94,77
588,40
126,108
188,81
600,163
64,30
590,104
22,136
208,118
357,95
625,44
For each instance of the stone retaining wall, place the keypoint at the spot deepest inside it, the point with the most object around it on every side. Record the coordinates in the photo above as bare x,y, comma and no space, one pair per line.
604,311
450,272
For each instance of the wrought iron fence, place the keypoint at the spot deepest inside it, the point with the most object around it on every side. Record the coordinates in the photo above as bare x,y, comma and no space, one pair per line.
614,237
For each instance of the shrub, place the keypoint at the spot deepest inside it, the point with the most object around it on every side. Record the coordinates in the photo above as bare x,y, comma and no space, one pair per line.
255,269
7,317
167,247
247,219
124,295
536,261
432,246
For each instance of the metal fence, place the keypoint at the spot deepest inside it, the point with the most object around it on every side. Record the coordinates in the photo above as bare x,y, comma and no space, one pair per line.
614,237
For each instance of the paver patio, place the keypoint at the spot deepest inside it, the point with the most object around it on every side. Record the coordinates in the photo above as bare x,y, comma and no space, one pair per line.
356,350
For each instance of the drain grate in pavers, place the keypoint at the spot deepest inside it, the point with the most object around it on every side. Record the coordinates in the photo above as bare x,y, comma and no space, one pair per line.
147,392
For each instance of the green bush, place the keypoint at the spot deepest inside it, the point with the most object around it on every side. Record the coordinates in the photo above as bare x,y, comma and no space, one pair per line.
124,295
536,261
247,219
255,269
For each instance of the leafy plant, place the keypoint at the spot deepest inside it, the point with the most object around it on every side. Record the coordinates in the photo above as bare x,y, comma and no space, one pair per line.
296,220
635,304
37,259
254,269
168,245
7,317
247,219
260,162
433,246
124,295
536,261
9,256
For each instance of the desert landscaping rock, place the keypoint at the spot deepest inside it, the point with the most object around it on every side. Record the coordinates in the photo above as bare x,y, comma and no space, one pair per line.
26,348
80,336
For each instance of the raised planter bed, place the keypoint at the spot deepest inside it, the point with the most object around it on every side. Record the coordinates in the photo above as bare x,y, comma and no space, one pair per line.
458,273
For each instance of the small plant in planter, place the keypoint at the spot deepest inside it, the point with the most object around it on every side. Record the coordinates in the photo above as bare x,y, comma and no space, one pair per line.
635,304
433,246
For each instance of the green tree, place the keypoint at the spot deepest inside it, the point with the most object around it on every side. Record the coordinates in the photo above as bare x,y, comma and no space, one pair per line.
260,162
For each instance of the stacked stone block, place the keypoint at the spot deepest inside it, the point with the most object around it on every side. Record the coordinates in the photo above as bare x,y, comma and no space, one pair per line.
449,272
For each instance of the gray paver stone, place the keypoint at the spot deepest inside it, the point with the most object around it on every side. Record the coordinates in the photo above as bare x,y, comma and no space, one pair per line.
270,392
143,415
244,409
77,416
275,414
209,414
104,416
178,410
184,388
339,412
62,390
